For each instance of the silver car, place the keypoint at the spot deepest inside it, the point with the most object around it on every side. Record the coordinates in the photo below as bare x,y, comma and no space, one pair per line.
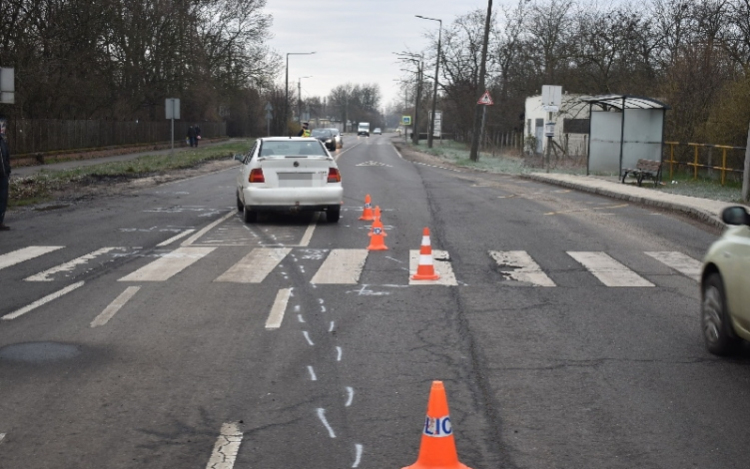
725,285
289,174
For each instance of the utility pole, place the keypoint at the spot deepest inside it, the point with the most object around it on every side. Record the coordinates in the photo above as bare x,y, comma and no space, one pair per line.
474,155
415,132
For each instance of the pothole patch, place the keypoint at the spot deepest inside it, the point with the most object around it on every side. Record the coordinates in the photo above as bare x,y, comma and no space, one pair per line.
39,352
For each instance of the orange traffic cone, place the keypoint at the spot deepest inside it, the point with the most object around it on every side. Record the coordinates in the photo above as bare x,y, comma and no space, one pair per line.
367,214
425,269
377,213
377,235
438,447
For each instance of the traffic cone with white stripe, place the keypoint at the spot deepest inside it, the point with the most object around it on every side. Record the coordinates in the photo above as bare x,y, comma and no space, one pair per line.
367,214
377,235
425,269
438,447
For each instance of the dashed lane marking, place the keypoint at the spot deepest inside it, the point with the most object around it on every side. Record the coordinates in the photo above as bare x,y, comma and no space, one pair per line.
167,266
610,272
24,254
110,311
227,447
42,301
279,307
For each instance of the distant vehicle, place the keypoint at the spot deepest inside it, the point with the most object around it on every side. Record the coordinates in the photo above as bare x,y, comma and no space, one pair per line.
725,296
363,129
289,174
327,137
377,131
337,137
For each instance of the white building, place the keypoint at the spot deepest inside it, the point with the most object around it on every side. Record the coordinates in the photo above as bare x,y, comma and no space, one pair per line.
572,109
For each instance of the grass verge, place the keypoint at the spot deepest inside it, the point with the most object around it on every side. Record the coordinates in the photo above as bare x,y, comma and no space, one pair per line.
42,186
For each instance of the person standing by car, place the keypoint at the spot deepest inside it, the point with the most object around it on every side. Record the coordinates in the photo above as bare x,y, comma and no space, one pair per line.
4,175
191,136
305,130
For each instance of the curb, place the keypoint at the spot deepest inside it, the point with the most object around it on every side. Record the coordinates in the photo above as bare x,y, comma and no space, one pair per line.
703,216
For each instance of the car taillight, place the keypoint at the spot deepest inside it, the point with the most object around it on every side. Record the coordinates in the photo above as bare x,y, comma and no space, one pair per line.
334,175
256,175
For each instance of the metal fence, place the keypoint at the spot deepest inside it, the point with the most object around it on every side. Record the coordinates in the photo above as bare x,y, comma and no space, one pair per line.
27,137
707,157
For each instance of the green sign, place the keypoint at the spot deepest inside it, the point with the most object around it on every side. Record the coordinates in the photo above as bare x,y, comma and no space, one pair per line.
405,120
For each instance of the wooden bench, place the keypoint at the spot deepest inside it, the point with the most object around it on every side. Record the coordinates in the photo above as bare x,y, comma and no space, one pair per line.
644,169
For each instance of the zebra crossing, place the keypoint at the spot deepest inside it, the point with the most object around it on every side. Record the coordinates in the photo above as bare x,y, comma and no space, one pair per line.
346,266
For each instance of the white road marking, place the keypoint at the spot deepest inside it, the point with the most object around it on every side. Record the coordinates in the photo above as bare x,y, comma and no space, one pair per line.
300,318
175,238
226,447
322,417
358,448
349,396
278,309
322,309
46,276
312,374
610,272
330,329
526,270
338,353
309,232
307,338
114,307
254,267
2,437
42,301
680,262
341,267
441,262
208,228
169,265
24,254
365,291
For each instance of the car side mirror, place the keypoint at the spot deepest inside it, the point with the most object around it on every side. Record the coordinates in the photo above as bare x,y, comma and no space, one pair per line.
735,215
239,156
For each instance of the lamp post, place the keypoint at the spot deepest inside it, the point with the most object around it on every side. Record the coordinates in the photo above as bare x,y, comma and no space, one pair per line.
286,87
299,98
437,70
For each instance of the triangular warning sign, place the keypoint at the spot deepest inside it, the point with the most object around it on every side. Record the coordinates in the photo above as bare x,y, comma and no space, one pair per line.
486,99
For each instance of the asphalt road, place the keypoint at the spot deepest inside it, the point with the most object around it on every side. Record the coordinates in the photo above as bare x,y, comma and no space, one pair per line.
138,330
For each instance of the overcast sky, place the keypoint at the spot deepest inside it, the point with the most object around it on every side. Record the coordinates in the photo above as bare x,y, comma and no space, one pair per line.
354,40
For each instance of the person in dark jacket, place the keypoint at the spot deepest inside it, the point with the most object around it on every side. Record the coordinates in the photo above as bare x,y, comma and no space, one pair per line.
192,136
4,175
197,134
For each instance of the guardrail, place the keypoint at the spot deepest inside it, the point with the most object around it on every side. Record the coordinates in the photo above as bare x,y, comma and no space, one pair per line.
696,155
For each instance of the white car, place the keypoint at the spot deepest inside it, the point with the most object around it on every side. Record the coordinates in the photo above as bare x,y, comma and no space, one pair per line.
725,285
377,131
290,174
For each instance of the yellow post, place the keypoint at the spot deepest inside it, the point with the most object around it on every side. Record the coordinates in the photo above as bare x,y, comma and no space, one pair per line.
695,167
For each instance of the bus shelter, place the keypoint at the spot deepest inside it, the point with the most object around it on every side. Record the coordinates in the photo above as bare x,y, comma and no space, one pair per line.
623,130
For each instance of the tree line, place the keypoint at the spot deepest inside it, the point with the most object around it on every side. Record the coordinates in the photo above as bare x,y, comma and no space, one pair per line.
694,55
119,59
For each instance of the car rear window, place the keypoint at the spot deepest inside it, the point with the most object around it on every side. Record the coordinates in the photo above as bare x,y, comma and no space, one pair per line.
282,149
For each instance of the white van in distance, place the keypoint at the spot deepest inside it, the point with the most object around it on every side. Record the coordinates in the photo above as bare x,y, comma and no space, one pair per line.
363,129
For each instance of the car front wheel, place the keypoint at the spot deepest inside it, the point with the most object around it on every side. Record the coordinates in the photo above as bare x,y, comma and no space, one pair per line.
333,214
717,328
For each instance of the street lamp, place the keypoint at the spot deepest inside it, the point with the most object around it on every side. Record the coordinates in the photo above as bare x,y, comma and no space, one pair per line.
437,70
299,98
286,87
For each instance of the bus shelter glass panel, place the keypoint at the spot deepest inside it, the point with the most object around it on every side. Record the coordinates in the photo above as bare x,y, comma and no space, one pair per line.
606,129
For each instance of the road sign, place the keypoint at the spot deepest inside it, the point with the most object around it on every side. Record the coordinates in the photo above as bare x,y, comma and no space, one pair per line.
405,120
7,85
269,116
268,107
551,95
172,108
438,123
486,99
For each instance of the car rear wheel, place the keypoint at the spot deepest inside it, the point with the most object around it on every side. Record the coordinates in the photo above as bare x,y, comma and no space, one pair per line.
333,214
249,216
717,328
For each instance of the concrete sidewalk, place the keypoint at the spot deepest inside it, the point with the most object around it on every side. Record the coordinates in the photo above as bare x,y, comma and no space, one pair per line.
705,210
